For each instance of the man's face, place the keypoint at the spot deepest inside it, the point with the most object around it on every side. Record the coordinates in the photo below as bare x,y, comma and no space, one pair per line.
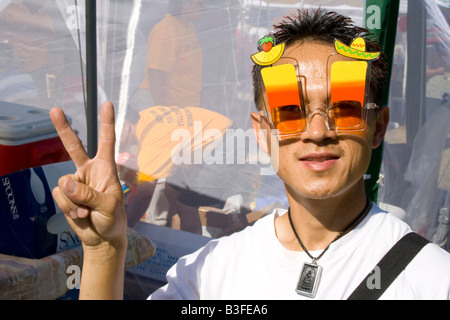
320,163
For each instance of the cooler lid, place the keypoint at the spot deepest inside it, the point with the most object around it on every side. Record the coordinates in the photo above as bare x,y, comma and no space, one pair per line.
21,124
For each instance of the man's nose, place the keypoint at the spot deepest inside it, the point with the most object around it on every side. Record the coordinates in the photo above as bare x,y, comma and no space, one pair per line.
318,127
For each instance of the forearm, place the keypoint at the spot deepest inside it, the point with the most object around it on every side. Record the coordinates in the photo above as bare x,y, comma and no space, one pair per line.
103,271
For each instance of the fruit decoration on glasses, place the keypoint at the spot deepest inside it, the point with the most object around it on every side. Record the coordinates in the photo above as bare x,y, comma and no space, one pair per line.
269,52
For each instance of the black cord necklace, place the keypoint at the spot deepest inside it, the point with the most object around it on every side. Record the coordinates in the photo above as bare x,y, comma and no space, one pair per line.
311,272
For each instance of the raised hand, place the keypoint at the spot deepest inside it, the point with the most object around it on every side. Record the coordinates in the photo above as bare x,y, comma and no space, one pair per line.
92,197
92,201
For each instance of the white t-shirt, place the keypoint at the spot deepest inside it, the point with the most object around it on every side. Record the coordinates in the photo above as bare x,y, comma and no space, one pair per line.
252,264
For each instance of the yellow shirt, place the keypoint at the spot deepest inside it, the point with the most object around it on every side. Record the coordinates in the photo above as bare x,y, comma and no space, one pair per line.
165,133
174,48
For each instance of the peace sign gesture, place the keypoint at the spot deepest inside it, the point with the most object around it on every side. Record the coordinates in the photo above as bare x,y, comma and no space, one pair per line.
92,201
92,197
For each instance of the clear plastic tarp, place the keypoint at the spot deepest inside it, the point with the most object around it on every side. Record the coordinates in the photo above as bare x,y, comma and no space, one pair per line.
178,73
199,167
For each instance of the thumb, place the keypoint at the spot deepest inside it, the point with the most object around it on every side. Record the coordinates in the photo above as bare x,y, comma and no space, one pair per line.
82,197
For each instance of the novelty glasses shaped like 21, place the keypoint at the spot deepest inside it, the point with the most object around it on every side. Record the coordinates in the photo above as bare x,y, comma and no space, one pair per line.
347,107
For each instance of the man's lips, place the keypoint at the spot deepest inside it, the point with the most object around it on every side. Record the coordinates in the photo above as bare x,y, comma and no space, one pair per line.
319,161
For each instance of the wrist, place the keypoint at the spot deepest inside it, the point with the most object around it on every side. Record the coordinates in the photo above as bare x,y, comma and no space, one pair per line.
106,249
103,271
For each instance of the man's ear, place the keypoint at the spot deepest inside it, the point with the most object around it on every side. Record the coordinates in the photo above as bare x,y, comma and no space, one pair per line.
381,124
260,133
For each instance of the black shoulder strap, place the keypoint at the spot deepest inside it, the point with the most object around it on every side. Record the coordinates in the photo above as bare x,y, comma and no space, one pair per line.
390,266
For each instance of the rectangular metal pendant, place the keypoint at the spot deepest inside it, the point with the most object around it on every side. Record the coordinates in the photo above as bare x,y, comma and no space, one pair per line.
309,280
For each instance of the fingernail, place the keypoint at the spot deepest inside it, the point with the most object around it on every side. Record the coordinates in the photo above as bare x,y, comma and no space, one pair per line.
70,185
82,212
72,214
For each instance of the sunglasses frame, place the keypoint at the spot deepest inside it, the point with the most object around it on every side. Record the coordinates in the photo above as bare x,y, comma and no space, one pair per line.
327,116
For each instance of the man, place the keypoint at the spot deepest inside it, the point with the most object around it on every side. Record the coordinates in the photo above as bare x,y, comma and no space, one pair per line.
320,131
174,77
174,57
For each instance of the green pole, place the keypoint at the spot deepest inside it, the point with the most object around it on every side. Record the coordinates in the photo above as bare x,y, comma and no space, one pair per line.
381,19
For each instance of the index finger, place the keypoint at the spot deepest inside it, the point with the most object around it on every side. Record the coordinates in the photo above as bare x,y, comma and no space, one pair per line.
69,138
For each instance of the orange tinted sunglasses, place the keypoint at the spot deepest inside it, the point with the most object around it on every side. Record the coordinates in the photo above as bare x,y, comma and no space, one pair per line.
347,109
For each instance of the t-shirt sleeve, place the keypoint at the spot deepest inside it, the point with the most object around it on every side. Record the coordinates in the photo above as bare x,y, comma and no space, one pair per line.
428,275
184,278
177,287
